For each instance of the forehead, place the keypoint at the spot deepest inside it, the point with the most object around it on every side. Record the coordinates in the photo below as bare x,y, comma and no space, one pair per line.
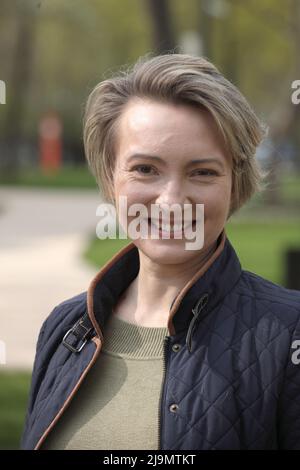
152,126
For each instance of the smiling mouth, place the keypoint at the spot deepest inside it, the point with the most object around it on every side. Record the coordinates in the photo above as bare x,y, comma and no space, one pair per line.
170,228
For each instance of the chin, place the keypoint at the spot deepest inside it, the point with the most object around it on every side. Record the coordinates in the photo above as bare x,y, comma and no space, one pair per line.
166,251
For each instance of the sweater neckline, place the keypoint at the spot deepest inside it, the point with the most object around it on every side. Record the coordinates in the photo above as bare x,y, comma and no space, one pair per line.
133,341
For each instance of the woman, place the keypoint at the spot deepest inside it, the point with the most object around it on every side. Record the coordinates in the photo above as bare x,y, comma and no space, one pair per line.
196,353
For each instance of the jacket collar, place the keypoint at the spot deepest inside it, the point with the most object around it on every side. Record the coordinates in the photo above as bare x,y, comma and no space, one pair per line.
216,278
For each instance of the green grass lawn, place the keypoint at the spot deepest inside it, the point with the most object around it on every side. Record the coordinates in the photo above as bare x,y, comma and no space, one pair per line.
14,389
290,188
261,246
99,252
67,177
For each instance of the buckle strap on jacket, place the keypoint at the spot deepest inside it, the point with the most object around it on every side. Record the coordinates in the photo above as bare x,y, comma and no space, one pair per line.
82,331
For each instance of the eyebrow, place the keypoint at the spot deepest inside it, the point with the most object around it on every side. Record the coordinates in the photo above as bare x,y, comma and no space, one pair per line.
137,156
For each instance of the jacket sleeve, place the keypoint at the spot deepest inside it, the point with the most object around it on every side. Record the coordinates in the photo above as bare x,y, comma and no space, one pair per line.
36,378
289,403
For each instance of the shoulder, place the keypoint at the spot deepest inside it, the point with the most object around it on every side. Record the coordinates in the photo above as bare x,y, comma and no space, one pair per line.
253,285
68,309
61,318
269,299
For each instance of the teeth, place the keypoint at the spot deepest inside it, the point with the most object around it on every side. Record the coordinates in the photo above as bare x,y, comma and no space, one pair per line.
167,227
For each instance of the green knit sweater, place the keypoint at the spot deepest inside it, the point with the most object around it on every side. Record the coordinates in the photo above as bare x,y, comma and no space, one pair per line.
117,405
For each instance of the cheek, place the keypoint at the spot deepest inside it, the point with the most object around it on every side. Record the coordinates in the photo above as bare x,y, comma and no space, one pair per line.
136,192
133,192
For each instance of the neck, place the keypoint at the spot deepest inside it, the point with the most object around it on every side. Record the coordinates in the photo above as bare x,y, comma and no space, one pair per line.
156,286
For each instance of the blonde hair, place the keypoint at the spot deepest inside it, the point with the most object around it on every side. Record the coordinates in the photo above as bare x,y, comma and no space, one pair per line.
175,78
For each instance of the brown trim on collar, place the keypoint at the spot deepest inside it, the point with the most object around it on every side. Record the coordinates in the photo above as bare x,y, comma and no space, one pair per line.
192,281
97,278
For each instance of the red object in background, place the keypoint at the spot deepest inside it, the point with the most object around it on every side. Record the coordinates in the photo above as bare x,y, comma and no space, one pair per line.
50,134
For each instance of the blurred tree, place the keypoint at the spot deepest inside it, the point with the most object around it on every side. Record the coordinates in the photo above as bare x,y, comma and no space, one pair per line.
73,44
262,29
163,34
18,84
295,109
286,125
206,28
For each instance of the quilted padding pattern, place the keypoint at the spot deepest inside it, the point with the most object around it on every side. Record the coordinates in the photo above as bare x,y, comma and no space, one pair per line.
237,388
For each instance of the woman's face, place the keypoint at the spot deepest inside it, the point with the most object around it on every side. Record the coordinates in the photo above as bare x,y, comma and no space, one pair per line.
176,135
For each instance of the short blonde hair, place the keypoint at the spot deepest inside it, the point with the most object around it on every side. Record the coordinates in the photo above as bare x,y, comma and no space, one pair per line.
182,79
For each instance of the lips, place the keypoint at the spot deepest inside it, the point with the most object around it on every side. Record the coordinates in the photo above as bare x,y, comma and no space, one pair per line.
170,228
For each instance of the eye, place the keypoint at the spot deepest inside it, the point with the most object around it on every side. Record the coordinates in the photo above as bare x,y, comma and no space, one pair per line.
205,172
143,169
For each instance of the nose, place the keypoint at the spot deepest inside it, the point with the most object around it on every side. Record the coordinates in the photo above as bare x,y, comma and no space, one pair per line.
172,193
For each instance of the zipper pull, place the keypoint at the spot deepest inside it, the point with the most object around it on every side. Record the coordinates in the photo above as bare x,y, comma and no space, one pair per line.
196,312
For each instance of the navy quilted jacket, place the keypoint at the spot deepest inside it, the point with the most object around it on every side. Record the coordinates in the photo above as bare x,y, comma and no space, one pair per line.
232,357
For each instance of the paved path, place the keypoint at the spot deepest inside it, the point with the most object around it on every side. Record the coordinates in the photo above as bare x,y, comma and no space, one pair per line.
42,235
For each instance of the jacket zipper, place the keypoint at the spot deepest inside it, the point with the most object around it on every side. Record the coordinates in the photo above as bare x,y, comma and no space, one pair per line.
196,311
166,341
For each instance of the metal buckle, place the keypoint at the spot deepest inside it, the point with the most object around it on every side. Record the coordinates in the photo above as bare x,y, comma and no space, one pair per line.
83,338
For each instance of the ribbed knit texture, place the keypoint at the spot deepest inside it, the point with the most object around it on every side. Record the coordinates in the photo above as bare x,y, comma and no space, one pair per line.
132,341
117,405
